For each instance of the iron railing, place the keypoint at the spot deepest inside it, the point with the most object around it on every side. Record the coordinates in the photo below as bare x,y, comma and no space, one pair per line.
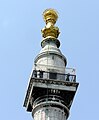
52,75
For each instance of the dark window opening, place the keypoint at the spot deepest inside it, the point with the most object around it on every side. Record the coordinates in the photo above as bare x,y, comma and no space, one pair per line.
52,75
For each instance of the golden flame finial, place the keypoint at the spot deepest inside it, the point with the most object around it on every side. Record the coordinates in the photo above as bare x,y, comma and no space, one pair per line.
50,17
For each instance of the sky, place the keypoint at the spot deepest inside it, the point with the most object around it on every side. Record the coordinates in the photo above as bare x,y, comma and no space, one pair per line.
20,37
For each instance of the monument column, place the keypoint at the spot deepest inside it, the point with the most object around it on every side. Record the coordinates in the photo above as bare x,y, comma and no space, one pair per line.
52,86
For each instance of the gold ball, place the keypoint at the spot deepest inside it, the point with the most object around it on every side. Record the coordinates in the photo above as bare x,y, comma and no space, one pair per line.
50,15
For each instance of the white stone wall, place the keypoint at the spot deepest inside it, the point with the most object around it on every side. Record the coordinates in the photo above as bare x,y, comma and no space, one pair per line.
51,59
50,113
51,63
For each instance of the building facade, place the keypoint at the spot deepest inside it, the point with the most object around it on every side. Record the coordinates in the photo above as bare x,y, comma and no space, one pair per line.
52,86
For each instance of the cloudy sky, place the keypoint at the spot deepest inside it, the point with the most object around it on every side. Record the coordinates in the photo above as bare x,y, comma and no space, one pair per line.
20,37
